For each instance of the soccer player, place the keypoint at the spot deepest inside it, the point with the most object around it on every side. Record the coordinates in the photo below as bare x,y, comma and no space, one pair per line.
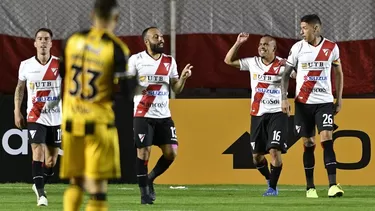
40,74
152,123
91,61
313,57
268,130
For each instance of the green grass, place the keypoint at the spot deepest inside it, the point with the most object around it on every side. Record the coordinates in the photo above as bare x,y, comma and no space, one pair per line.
200,197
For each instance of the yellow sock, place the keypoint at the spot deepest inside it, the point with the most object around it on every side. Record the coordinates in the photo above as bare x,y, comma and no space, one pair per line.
72,198
94,205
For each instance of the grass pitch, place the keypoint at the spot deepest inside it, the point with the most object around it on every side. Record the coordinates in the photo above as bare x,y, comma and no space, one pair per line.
199,197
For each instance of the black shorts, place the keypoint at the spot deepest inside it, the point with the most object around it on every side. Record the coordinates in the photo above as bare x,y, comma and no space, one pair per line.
269,131
309,115
42,134
150,131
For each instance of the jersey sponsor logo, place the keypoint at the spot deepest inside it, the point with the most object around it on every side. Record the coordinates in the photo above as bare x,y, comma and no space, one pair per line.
313,90
268,101
268,91
314,78
93,49
80,109
154,78
43,85
154,93
50,110
45,99
155,105
266,78
318,65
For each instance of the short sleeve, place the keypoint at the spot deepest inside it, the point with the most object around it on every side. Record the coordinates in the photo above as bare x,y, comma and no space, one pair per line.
293,55
21,72
121,55
174,72
245,63
132,68
336,55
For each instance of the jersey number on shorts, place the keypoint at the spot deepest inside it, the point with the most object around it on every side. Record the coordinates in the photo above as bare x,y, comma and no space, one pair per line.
276,135
327,119
173,132
91,83
58,134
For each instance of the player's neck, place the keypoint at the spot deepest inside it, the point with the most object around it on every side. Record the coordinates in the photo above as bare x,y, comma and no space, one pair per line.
317,40
103,25
268,60
43,59
154,55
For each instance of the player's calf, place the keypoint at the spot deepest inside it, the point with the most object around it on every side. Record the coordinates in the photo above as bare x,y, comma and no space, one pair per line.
330,161
97,201
276,167
309,161
143,183
38,170
261,164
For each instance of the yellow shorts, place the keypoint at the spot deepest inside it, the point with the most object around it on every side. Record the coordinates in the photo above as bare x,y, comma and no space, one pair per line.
95,156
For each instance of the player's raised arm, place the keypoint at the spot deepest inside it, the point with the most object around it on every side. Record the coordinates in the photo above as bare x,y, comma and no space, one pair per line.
178,84
231,57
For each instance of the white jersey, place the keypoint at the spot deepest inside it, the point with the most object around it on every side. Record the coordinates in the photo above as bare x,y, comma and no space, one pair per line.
152,92
313,65
265,83
43,84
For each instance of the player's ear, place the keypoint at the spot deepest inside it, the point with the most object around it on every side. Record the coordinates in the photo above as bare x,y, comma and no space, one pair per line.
316,28
35,43
116,17
92,16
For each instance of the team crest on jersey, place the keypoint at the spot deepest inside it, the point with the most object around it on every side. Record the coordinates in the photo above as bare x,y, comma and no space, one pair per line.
167,65
54,70
326,51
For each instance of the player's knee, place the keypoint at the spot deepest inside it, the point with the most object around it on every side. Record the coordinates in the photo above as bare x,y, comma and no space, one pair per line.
170,155
78,181
38,152
308,142
275,157
98,196
144,153
325,135
257,158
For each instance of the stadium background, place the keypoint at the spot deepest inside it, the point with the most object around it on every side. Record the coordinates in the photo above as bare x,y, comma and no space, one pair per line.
200,33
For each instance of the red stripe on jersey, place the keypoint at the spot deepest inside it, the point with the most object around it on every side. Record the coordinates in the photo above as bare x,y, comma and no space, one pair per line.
255,105
51,74
307,86
147,100
164,66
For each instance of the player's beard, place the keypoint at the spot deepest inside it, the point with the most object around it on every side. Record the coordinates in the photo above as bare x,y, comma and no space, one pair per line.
156,48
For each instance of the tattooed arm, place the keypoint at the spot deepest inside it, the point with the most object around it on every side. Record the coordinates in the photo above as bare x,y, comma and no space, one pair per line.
18,98
284,89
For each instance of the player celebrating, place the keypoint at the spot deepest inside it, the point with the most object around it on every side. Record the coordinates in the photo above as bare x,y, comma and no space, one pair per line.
41,75
91,59
313,58
268,123
152,122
